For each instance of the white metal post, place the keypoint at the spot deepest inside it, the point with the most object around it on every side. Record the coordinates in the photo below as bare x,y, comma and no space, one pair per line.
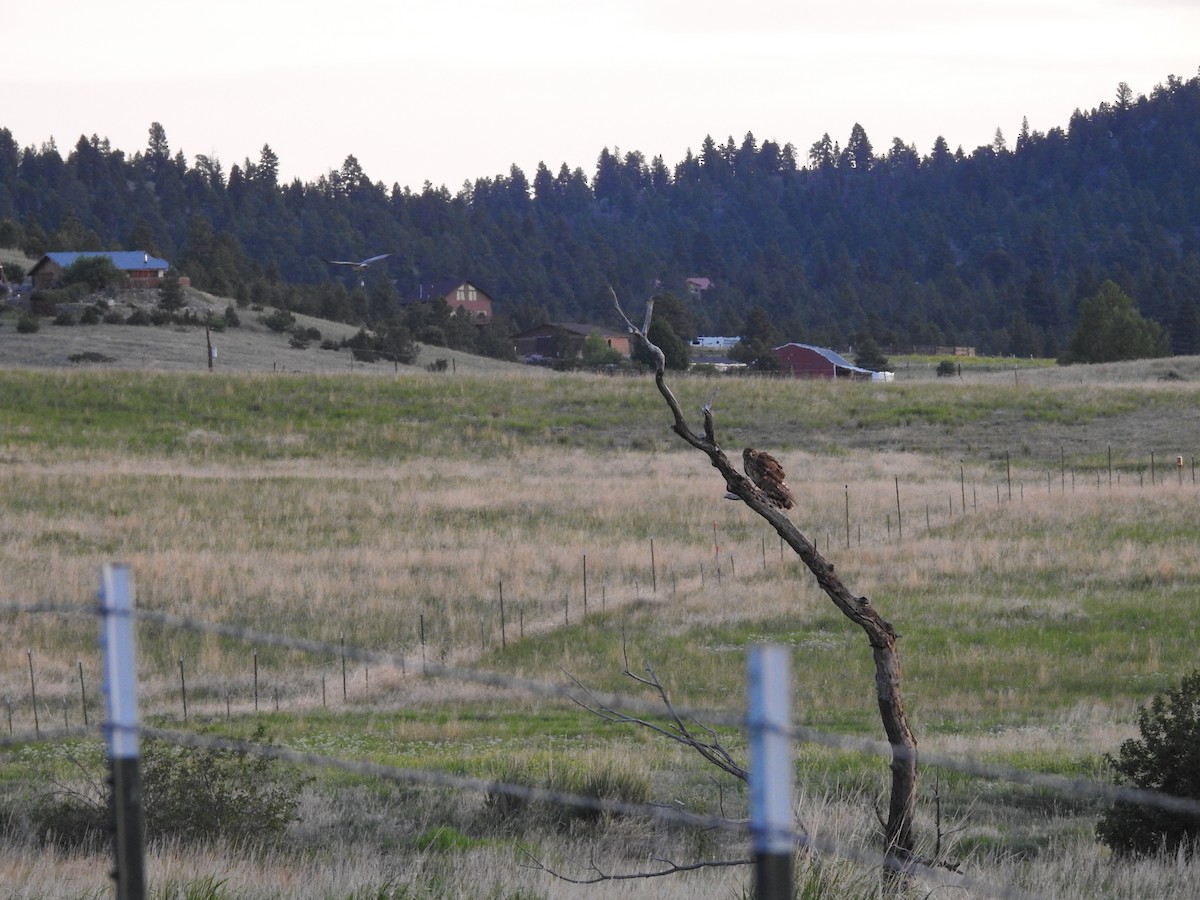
771,816
122,727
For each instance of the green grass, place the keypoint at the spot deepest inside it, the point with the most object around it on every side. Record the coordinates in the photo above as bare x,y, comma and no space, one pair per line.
1030,630
279,417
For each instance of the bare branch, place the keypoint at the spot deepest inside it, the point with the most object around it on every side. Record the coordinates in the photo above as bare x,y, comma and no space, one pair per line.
879,632
669,868
711,749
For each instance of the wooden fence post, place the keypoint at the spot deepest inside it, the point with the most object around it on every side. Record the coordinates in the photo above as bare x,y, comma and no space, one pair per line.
37,729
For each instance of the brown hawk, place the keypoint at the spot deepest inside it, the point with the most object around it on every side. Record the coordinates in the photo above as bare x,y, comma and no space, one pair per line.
767,474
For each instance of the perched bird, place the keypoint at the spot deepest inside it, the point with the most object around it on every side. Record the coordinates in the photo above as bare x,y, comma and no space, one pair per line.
766,472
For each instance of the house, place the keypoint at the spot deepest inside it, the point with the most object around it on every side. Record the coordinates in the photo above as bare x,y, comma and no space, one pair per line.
807,361
461,296
564,340
143,270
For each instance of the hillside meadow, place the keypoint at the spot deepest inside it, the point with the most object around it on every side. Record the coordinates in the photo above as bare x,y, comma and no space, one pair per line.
1026,531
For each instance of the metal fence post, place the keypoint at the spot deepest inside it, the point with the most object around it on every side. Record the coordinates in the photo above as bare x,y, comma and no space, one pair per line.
120,694
771,816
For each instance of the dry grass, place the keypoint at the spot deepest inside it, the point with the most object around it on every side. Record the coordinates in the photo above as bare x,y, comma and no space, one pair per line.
1031,629
250,347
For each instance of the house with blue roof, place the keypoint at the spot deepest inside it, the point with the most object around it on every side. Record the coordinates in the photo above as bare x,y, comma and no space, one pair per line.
143,270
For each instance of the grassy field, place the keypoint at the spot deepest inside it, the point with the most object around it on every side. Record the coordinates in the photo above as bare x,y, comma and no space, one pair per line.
1040,594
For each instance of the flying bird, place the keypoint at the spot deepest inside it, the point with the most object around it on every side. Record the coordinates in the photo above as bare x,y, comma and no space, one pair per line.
361,264
767,474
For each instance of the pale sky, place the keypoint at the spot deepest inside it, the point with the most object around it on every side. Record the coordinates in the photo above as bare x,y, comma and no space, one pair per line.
453,90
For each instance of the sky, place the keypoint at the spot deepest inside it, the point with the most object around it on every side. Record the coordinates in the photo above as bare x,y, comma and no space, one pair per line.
450,91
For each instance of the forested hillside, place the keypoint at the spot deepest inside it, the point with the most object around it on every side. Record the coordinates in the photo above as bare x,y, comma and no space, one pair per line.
995,247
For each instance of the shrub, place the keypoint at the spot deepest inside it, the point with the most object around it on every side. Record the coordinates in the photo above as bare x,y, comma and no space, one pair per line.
279,320
513,812
432,334
28,324
64,318
189,794
194,794
139,317
94,273
90,316
946,369
1165,758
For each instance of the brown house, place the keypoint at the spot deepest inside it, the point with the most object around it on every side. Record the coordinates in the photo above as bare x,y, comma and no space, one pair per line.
564,340
142,269
462,297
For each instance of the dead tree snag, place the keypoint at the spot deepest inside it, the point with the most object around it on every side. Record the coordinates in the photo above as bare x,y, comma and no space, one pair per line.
898,836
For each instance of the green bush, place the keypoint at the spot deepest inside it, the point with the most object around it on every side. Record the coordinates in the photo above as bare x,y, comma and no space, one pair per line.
189,794
514,812
279,320
1165,758
194,795
94,273
28,324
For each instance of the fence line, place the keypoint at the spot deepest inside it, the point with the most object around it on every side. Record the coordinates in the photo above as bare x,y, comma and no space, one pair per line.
1075,788
653,812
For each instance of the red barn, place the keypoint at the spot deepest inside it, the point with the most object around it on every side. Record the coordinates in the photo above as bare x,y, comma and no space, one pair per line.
806,361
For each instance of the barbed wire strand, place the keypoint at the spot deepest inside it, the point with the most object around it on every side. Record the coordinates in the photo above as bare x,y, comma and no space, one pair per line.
654,812
660,813
1075,788
1071,787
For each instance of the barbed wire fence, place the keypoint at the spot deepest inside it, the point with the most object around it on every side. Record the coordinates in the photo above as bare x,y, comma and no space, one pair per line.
123,732
965,498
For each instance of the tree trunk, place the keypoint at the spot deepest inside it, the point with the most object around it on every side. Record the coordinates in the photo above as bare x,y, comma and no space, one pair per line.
898,834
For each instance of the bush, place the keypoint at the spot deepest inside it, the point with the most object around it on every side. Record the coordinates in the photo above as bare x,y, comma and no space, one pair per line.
513,811
194,794
189,794
279,320
94,273
1166,758
139,317
28,324
946,369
